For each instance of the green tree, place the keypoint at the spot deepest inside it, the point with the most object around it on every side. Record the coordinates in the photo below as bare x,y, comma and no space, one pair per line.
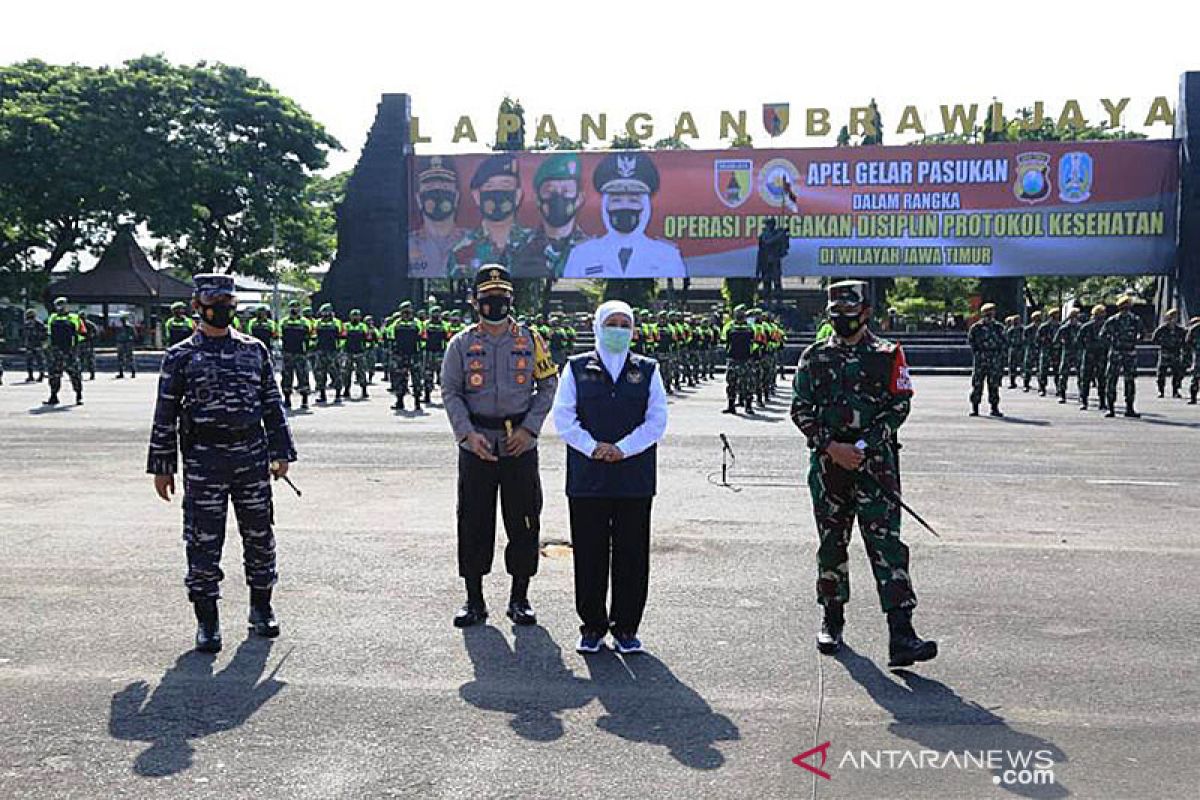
514,140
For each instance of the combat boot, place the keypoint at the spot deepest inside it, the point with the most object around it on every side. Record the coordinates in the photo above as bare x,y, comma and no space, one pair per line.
262,618
733,410
416,403
287,399
995,412
1110,412
904,646
974,409
829,638
53,401
304,401
1192,401
120,375
337,397
1129,412
321,396
1083,404
364,394
1175,394
399,404
208,625
30,378
749,406
1161,390
428,395
79,398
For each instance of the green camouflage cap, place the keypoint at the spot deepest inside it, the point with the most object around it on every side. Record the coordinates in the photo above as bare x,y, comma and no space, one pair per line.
558,167
848,293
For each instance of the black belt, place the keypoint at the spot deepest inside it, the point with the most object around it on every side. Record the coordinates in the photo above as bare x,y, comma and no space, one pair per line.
496,423
212,434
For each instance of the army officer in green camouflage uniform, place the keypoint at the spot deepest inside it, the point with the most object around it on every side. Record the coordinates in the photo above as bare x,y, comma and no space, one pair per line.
851,394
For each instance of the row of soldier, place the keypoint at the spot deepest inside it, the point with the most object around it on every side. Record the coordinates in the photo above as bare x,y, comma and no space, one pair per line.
1100,352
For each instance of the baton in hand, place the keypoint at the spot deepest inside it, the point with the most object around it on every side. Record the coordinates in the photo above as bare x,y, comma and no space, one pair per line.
861,446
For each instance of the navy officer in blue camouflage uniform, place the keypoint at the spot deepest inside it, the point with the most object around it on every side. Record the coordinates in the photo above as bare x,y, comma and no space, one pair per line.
219,405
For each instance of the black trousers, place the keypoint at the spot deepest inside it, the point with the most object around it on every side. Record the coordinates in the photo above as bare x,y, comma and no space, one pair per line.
520,488
616,531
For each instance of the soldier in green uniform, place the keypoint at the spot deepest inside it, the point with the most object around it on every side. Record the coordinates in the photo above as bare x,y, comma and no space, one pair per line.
1047,351
87,346
851,394
374,338
125,336
1094,364
1067,341
1030,337
559,341
437,336
330,336
664,349
496,190
1192,343
407,345
556,185
1015,339
178,326
357,341
1170,338
294,334
33,342
988,344
263,328
738,336
1122,332
66,332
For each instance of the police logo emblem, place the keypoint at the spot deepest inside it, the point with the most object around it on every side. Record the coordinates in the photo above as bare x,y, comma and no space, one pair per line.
732,180
634,376
626,166
775,118
1075,177
773,179
1033,177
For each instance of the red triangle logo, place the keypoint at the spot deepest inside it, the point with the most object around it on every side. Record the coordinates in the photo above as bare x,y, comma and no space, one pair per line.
823,749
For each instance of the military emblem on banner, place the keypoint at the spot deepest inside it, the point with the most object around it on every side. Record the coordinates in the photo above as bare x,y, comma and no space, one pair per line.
1075,177
733,179
1033,177
774,178
775,118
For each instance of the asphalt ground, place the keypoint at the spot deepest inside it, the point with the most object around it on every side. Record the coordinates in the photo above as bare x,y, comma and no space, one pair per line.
1063,593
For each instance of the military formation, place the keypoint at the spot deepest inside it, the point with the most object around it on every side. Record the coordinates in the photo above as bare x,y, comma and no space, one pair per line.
1100,352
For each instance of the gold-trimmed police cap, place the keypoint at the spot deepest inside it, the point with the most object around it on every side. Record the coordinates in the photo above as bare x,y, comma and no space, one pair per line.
436,168
492,276
848,293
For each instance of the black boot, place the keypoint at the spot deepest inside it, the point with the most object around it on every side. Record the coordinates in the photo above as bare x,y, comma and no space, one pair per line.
208,627
519,610
974,409
120,376
904,646
1083,404
829,638
416,403
732,409
1129,412
262,618
1161,390
364,394
475,610
78,398
53,401
287,399
996,410
304,401
1110,412
749,405
428,395
321,396
399,404
337,396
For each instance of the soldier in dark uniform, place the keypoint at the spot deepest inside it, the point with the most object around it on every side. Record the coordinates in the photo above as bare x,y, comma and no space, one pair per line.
496,189
1170,338
87,346
66,331
219,406
738,336
498,383
33,342
262,327
558,186
987,351
1192,343
1094,364
1067,341
1030,337
1015,339
125,338
179,325
294,331
437,197
1122,332
852,393
1047,350
358,340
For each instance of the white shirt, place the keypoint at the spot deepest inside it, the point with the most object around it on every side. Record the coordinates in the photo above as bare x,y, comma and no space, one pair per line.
640,439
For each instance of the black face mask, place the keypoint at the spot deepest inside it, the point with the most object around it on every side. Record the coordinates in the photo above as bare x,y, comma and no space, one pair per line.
438,204
219,316
625,220
497,205
846,325
558,209
494,309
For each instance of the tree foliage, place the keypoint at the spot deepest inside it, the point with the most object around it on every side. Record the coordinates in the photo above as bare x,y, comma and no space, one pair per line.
213,160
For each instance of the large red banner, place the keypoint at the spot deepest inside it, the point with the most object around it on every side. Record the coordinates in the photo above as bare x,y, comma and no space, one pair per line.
1085,207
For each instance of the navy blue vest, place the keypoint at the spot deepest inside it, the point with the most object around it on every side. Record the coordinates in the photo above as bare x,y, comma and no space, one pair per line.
610,412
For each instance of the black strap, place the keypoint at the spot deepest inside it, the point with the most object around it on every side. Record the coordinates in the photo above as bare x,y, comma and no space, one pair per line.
495,423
